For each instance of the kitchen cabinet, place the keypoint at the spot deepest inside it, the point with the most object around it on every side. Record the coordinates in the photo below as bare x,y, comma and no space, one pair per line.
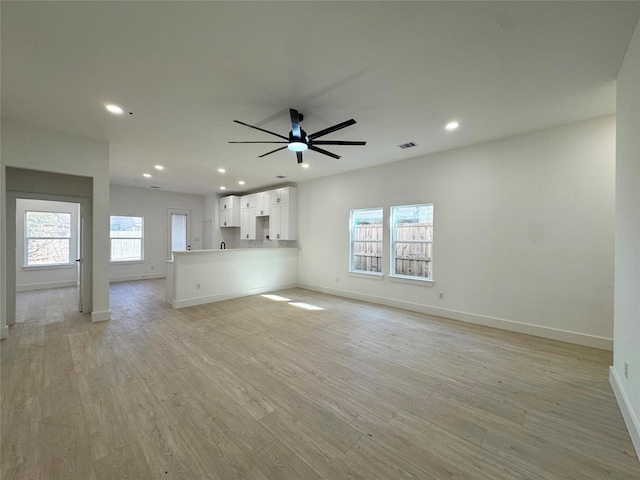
248,224
248,201
230,211
263,202
283,221
283,195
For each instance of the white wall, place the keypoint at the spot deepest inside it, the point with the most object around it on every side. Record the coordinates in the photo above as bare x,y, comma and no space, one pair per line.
31,147
523,234
153,205
35,278
626,338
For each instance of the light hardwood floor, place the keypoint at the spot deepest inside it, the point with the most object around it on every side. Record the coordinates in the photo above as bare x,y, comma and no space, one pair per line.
259,389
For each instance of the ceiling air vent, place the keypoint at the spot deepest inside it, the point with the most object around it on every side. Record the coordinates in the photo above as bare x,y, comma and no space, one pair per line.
154,186
281,176
408,145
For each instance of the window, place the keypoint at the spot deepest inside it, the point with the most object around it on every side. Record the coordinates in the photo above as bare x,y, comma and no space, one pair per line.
366,241
47,237
412,241
126,238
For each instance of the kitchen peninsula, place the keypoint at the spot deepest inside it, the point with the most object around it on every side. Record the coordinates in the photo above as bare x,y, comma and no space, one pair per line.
203,276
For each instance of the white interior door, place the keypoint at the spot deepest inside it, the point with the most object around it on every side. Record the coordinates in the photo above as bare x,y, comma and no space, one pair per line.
179,231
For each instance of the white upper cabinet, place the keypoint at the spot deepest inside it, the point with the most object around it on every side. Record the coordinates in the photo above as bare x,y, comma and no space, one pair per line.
284,195
248,201
230,211
263,202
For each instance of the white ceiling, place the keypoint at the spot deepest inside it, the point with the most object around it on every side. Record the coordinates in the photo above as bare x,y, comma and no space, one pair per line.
402,69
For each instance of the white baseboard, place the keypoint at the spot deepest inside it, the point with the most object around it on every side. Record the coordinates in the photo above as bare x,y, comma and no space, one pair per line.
101,316
190,302
536,330
130,278
4,332
630,417
43,286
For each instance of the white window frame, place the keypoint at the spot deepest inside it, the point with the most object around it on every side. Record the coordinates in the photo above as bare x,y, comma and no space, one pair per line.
140,237
393,240
353,240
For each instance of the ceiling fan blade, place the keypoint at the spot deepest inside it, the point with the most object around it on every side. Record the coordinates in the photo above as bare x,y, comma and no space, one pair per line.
299,155
295,123
335,128
320,150
272,151
260,141
261,129
336,142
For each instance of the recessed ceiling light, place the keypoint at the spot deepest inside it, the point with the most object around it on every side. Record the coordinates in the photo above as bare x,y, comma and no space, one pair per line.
452,125
223,188
115,109
305,165
146,175
221,170
159,167
240,182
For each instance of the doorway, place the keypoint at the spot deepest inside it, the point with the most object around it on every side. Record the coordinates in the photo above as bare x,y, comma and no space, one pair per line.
178,231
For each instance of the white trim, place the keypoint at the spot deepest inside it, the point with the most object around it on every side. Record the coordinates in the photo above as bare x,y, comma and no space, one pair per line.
412,280
101,316
129,278
504,324
27,287
365,274
630,418
4,332
190,302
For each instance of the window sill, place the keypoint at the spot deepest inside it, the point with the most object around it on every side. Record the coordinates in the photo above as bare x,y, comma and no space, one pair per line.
126,262
48,267
371,275
412,280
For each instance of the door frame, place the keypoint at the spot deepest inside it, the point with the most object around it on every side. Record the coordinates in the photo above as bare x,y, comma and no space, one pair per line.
85,246
176,211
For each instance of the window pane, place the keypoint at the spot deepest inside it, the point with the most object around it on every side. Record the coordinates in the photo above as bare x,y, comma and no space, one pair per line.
366,240
126,227
412,234
413,259
50,251
48,224
126,249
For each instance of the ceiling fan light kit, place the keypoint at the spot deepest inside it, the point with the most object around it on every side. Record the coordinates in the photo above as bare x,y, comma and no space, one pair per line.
298,141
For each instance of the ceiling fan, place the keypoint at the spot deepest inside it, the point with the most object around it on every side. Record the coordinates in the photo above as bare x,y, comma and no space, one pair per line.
298,141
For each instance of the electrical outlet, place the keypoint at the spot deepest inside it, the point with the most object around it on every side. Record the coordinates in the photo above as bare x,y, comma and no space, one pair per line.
197,286
626,370
441,296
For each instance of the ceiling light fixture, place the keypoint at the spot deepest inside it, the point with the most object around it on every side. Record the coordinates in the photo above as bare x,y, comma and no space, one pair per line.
240,182
452,126
221,170
159,167
146,175
305,165
223,188
115,109
297,146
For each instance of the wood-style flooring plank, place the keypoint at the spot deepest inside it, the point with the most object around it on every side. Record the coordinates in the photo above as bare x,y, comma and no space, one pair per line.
257,389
